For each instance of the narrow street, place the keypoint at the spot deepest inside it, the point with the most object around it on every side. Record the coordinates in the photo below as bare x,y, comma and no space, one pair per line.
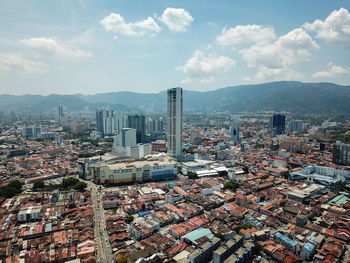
103,250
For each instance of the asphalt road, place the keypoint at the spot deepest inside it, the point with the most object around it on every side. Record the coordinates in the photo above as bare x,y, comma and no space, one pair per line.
103,250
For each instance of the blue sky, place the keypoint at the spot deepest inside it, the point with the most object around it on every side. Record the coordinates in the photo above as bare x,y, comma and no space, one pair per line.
85,46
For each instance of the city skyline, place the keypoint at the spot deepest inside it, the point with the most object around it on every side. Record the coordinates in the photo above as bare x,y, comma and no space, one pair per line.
175,131
70,47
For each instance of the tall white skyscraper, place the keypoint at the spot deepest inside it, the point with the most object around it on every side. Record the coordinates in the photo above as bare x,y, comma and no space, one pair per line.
174,122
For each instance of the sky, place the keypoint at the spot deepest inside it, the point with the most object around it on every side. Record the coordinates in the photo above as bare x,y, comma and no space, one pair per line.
89,46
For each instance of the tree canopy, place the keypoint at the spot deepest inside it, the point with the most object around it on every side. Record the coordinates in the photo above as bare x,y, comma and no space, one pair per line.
12,189
233,186
38,185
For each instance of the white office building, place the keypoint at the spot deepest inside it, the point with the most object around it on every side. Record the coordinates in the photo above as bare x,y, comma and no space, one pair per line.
174,122
126,138
125,143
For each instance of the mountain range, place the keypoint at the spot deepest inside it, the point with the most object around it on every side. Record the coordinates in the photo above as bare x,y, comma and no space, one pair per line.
289,96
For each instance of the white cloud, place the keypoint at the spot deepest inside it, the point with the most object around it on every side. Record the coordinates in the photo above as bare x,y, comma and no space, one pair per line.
177,19
270,74
278,58
49,46
246,79
245,34
334,29
185,81
14,62
297,39
116,23
208,80
204,67
333,71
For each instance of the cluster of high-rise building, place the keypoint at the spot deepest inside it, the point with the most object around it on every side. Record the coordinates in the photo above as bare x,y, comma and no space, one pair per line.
108,122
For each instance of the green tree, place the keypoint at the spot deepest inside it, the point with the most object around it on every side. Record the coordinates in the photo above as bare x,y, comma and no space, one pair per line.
233,186
8,192
285,174
86,155
69,182
192,175
12,189
80,186
38,185
243,226
341,186
122,259
130,219
103,152
71,206
15,184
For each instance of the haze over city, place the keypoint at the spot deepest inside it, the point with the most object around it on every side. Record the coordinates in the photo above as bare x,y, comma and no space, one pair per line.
174,131
88,47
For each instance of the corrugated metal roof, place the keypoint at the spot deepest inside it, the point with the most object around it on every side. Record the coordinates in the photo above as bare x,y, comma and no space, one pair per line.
198,233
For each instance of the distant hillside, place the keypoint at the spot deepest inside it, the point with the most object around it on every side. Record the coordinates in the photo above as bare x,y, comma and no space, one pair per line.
295,97
50,102
143,101
291,96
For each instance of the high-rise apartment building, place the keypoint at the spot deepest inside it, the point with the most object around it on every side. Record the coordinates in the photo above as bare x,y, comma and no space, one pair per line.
59,139
60,111
138,122
234,131
108,120
78,128
155,128
296,126
31,132
104,122
99,121
341,153
60,114
278,124
119,122
174,122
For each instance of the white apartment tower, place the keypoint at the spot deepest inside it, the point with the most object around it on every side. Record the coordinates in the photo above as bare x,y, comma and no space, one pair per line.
174,122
